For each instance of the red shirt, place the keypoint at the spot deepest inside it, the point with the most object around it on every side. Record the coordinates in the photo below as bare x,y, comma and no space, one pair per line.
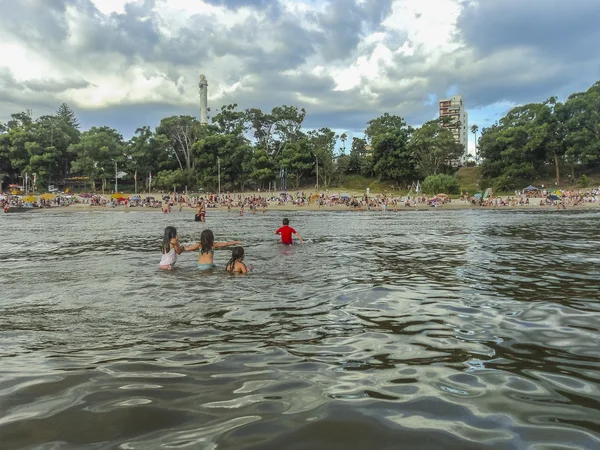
286,234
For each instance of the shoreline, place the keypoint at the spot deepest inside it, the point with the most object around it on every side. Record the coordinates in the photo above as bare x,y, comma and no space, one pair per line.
79,208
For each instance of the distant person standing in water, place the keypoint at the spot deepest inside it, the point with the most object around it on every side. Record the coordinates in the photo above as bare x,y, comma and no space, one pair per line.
286,233
200,211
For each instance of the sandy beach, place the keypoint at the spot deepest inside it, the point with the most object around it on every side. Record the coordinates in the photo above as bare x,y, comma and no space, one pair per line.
453,205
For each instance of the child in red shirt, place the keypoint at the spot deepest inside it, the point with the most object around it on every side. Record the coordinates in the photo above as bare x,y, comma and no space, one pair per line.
286,233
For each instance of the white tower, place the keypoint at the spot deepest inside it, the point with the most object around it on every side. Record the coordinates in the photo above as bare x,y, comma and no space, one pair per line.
203,100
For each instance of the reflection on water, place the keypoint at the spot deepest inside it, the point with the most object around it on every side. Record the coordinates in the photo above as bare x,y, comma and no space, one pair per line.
436,329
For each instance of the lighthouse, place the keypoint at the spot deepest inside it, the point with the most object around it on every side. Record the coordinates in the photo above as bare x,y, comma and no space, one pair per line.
203,100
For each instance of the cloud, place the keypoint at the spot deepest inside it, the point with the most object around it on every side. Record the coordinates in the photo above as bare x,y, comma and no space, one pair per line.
345,61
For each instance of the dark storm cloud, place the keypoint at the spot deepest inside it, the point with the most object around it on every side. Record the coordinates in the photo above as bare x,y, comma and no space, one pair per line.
344,22
55,86
549,48
35,21
564,30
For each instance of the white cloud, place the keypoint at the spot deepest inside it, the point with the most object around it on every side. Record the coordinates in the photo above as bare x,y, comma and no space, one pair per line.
111,6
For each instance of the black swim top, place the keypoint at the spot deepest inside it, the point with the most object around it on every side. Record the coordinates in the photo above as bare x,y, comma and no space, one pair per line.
210,252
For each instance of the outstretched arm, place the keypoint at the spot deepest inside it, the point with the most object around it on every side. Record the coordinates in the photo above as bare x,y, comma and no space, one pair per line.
298,236
226,244
191,248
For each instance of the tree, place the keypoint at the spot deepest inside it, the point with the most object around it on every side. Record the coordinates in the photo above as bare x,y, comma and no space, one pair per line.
67,115
235,156
434,148
262,126
474,130
442,183
145,154
297,158
180,134
96,154
582,128
262,168
343,138
359,163
229,120
389,136
288,121
323,145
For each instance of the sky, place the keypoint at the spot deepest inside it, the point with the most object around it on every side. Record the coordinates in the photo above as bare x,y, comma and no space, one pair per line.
127,64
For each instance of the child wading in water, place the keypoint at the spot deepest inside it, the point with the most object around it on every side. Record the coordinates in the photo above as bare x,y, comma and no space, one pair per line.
235,264
207,245
286,233
170,249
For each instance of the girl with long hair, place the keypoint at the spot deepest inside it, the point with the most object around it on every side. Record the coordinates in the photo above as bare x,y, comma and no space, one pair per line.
235,264
207,245
170,249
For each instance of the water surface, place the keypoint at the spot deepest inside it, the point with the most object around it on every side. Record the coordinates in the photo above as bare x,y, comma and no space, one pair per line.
426,329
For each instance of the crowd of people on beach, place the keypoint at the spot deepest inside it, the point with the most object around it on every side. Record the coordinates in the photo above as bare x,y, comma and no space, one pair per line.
253,203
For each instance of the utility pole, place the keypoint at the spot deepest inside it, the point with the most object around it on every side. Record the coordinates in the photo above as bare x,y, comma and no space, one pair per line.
116,177
219,173
317,160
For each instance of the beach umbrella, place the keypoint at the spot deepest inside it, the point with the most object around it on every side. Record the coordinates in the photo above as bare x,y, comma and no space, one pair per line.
118,195
478,196
441,196
344,196
531,188
29,199
47,196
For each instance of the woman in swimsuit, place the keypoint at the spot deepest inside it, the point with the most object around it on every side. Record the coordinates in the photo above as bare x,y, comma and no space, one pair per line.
207,245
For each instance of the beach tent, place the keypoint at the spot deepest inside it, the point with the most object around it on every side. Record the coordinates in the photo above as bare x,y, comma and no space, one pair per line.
344,196
478,196
554,197
119,195
531,188
48,196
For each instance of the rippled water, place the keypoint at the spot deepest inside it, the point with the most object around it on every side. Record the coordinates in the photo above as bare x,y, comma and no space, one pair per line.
426,329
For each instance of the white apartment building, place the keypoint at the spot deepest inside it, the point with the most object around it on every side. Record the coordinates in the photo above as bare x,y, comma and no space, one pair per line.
455,110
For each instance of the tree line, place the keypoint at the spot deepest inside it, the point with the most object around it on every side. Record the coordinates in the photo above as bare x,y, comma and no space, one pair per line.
249,149
245,149
555,140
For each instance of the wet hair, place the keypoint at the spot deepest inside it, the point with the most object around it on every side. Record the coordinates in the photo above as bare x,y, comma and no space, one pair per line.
286,221
237,254
207,240
170,233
